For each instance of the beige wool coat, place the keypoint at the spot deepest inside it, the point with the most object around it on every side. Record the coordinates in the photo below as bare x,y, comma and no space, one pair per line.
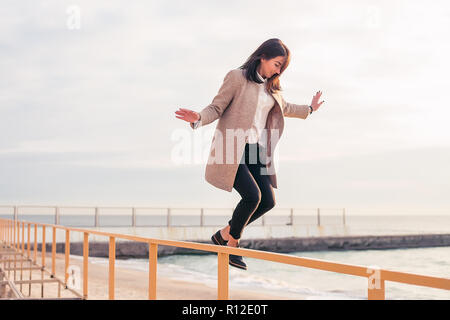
235,107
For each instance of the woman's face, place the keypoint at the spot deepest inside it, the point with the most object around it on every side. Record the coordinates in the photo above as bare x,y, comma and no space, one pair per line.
267,68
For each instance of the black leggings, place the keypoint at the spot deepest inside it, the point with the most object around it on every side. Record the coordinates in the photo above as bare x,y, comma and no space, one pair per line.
254,187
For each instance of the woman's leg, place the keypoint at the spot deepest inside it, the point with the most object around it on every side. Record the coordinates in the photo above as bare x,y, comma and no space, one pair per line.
252,171
247,187
251,184
267,193
258,170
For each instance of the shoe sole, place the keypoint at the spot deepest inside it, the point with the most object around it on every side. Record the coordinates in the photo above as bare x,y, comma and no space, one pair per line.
237,265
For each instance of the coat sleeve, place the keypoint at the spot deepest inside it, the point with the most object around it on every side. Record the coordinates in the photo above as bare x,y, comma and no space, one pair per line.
196,124
295,110
221,101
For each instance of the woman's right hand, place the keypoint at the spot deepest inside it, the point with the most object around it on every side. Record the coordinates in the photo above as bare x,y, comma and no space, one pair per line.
187,115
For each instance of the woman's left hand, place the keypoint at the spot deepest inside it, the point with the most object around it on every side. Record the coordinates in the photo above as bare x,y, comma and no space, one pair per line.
315,101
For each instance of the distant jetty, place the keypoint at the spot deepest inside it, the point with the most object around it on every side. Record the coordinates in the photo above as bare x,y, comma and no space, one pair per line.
126,250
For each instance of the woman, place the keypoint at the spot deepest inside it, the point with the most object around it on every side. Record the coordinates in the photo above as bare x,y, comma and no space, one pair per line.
250,109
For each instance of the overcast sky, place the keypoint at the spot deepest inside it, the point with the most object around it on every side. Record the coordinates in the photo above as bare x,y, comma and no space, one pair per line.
89,90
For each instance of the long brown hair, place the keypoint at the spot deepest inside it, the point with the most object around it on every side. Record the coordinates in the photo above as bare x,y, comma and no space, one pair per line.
268,49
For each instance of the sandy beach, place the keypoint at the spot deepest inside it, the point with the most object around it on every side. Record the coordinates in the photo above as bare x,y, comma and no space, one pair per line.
131,284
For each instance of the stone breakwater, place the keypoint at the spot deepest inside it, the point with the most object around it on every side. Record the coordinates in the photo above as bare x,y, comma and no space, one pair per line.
130,249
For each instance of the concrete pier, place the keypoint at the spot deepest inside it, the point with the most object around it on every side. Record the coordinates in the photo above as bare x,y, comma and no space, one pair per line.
129,249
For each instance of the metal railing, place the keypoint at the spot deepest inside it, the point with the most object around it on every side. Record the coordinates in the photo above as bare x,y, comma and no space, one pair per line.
10,235
133,213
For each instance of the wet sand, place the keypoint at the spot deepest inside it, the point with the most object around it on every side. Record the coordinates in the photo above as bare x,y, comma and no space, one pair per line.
131,284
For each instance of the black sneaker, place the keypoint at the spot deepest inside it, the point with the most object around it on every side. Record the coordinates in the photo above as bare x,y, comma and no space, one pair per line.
217,239
237,261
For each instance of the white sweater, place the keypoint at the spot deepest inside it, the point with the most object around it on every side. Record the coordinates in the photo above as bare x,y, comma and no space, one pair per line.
265,103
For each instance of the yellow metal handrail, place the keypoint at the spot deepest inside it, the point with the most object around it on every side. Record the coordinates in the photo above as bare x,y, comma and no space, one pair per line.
10,231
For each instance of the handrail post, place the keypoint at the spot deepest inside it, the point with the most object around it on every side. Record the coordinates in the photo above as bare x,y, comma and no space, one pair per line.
96,217
222,276
168,217
374,293
112,261
292,216
28,240
152,270
29,256
35,243
18,236
201,217
43,251
54,252
133,217
343,216
318,217
85,264
23,252
9,233
67,253
23,237
57,215
376,289
43,246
